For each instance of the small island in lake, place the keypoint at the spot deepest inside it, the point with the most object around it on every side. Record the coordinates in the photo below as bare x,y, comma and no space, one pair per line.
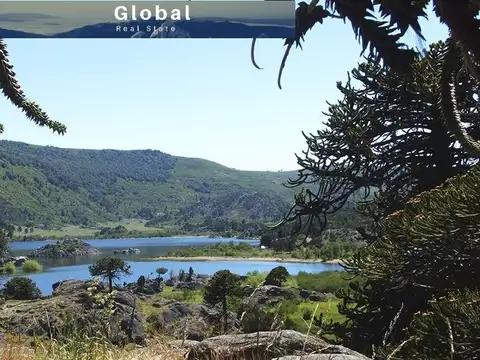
65,248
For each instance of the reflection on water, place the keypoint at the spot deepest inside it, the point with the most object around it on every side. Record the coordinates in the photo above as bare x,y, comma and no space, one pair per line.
77,268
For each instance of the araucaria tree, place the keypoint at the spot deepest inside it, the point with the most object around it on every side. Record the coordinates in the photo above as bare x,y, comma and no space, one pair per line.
12,91
111,268
381,31
277,276
221,286
388,136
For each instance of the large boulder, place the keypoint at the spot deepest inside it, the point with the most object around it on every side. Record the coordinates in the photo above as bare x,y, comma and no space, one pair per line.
270,295
265,345
345,354
71,309
184,321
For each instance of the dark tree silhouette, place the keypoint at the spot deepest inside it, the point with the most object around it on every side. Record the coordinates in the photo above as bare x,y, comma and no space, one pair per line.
12,91
382,38
110,268
277,276
386,136
221,286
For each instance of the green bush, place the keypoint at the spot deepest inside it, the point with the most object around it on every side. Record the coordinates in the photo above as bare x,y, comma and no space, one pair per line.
324,282
277,276
31,266
9,268
21,288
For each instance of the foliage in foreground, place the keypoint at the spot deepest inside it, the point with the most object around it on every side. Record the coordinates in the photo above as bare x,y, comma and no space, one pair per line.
82,347
21,288
366,145
429,251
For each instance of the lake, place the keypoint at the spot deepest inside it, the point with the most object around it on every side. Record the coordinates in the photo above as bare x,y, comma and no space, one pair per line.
77,268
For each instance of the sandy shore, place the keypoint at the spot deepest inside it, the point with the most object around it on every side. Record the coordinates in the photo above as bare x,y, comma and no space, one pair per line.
231,258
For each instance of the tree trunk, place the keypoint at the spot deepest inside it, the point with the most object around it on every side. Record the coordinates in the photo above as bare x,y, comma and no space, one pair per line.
225,314
110,283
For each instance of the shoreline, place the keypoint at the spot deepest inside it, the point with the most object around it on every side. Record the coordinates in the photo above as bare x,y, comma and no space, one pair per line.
233,258
86,238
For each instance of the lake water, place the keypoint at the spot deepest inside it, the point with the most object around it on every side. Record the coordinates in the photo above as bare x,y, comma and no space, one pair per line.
77,268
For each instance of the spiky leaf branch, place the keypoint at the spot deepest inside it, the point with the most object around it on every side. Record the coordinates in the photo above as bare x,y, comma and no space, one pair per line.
389,136
12,91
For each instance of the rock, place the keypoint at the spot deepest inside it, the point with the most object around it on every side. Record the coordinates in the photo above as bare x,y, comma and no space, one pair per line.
70,287
189,285
248,290
70,306
314,296
331,352
324,357
151,287
171,282
19,260
127,251
263,345
180,320
65,248
304,294
270,295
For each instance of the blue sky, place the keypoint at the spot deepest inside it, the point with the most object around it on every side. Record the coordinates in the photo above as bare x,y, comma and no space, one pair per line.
195,98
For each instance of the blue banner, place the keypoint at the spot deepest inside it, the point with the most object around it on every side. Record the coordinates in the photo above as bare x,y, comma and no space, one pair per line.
147,19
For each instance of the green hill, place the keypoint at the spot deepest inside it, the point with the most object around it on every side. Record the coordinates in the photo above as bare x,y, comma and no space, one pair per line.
48,187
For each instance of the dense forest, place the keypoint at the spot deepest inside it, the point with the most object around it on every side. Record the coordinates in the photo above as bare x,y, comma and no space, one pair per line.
47,187
52,186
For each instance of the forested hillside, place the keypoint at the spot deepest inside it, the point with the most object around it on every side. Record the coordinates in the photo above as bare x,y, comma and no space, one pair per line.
45,186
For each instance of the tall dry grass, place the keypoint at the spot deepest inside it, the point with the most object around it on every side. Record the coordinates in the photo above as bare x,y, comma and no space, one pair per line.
85,348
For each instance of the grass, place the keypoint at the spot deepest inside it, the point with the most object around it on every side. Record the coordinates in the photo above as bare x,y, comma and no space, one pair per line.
293,311
9,268
31,266
324,282
188,296
83,348
328,251
240,250
76,231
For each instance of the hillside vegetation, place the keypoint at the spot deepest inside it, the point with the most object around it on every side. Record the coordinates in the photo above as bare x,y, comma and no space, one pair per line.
47,187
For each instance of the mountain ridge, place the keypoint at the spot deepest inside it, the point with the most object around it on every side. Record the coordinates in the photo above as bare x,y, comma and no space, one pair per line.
51,186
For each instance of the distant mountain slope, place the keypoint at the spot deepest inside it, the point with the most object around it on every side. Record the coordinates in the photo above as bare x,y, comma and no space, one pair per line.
53,186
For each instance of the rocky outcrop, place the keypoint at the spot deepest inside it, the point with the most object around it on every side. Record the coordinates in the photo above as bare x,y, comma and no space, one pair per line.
70,309
195,282
145,287
65,248
191,322
16,260
315,296
269,295
127,251
329,356
266,345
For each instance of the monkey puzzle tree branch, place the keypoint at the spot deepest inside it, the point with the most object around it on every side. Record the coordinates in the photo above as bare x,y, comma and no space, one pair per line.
387,136
12,91
451,67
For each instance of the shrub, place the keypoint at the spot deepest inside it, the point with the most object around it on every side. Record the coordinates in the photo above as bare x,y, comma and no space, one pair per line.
110,268
277,276
9,268
21,288
31,266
